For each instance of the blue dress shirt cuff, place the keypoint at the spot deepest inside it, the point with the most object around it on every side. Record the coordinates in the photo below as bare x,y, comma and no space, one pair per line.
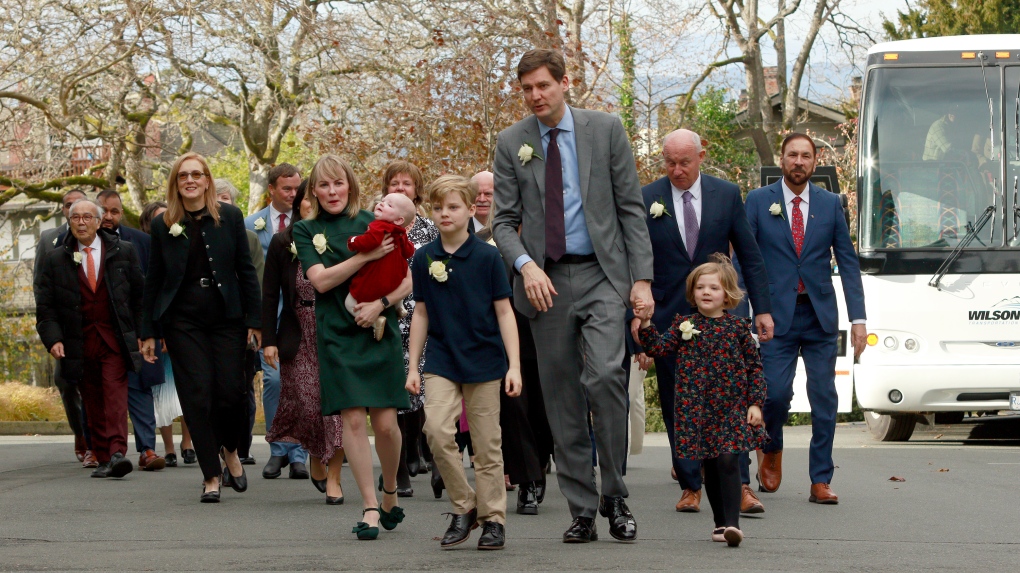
521,261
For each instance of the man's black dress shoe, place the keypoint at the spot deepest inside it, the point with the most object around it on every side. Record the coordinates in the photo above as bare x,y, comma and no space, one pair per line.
188,456
581,530
622,525
120,466
540,490
298,471
101,471
248,461
492,537
527,500
460,528
274,467
238,483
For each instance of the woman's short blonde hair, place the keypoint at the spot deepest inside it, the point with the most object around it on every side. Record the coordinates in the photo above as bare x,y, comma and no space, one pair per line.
174,203
446,184
401,167
333,167
719,265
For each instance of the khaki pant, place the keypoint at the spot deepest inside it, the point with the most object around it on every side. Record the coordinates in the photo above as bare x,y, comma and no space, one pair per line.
442,410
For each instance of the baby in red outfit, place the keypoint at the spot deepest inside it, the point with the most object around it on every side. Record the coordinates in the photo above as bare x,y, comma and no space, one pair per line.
394,215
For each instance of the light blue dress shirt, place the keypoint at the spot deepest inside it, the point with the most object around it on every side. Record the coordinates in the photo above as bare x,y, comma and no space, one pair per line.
578,239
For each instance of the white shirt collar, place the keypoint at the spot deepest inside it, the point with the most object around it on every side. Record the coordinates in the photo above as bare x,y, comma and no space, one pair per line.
274,217
788,193
96,246
695,189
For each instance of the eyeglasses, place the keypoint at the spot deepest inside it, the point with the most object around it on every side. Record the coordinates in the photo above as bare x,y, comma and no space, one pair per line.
86,218
184,176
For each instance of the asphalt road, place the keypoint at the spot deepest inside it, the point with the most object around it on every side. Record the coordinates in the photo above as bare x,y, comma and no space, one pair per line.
956,510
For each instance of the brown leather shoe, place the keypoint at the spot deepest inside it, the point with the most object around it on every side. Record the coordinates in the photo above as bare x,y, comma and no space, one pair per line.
690,501
89,460
822,493
149,461
749,503
770,472
79,448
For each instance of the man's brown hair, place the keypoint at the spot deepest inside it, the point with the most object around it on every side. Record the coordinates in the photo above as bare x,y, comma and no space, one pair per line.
552,60
282,170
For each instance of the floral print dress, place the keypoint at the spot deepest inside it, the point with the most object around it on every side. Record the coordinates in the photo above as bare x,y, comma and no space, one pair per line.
718,377
423,232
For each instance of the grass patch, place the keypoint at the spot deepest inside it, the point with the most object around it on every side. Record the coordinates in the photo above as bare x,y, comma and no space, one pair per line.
22,403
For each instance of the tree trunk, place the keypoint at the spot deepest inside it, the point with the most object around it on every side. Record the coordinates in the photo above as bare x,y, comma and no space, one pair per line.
258,183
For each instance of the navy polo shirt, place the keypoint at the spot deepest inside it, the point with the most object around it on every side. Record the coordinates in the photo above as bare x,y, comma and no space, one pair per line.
464,343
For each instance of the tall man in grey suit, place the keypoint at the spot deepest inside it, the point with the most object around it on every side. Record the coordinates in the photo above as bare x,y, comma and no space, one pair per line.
69,395
566,179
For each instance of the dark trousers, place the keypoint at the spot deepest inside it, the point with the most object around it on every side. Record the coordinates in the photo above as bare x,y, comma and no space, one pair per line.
688,472
531,394
142,412
722,486
520,455
207,353
104,393
779,360
70,397
251,359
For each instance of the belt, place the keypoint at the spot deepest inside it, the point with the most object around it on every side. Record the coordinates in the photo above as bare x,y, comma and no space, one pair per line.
205,283
304,302
575,259
803,298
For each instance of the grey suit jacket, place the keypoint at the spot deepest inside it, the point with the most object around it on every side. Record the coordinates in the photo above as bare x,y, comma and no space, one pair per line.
610,193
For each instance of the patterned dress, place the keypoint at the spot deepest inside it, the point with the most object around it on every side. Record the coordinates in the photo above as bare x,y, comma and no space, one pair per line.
718,377
299,417
423,232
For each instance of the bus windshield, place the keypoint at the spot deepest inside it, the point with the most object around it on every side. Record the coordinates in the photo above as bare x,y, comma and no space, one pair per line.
931,157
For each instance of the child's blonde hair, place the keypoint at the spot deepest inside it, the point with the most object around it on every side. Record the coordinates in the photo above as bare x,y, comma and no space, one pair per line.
721,266
446,184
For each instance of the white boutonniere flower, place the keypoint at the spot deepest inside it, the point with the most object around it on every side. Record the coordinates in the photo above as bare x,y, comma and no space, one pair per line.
260,223
658,209
526,153
320,243
293,251
687,330
55,241
77,257
438,270
776,210
177,230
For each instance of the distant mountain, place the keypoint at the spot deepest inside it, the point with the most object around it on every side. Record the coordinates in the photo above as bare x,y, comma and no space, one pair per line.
1008,303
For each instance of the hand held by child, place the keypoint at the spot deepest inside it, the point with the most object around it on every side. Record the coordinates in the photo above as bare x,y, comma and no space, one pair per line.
514,384
754,417
413,385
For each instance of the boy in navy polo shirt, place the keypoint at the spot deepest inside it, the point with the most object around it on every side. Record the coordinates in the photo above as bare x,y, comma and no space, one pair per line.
462,305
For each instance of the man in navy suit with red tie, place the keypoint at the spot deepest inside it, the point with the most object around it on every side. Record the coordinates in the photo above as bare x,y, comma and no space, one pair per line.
799,227
691,215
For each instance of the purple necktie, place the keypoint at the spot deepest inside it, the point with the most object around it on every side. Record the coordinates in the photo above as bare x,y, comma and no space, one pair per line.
690,224
555,233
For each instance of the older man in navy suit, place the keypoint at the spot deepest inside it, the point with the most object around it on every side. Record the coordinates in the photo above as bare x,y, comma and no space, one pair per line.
140,404
690,216
798,227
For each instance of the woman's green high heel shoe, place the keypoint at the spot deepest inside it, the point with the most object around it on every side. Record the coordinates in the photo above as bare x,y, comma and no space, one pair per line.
362,529
390,519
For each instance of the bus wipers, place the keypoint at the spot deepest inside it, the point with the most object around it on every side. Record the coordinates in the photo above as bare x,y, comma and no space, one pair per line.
955,254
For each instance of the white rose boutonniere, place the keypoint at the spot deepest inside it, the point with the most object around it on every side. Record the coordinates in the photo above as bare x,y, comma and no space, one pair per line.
687,330
177,230
659,209
526,153
320,243
776,210
438,270
260,223
293,251
55,241
77,257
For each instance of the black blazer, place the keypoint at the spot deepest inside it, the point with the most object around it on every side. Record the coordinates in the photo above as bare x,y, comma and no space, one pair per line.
227,245
58,301
280,276
722,222
140,241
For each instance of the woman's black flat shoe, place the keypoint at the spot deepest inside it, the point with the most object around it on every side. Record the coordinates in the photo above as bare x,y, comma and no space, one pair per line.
238,483
330,500
209,496
188,455
320,484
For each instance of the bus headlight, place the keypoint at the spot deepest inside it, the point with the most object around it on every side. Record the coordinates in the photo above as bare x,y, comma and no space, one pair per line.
889,342
910,344
895,396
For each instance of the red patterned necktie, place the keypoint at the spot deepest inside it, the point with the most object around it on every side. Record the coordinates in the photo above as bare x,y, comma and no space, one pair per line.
283,223
90,268
798,234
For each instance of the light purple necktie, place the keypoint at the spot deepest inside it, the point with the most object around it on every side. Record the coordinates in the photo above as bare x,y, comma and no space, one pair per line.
690,224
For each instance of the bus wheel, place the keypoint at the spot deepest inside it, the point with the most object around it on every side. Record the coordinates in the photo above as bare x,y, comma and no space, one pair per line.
891,428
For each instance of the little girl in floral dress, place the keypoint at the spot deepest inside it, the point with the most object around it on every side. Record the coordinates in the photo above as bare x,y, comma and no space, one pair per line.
719,387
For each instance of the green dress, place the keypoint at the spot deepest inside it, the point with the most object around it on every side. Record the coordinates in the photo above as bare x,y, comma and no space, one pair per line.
354,369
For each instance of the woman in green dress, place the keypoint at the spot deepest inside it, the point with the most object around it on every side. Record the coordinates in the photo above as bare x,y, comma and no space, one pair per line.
356,372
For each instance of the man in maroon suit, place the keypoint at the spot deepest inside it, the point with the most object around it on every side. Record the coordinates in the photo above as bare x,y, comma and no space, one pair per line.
88,295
